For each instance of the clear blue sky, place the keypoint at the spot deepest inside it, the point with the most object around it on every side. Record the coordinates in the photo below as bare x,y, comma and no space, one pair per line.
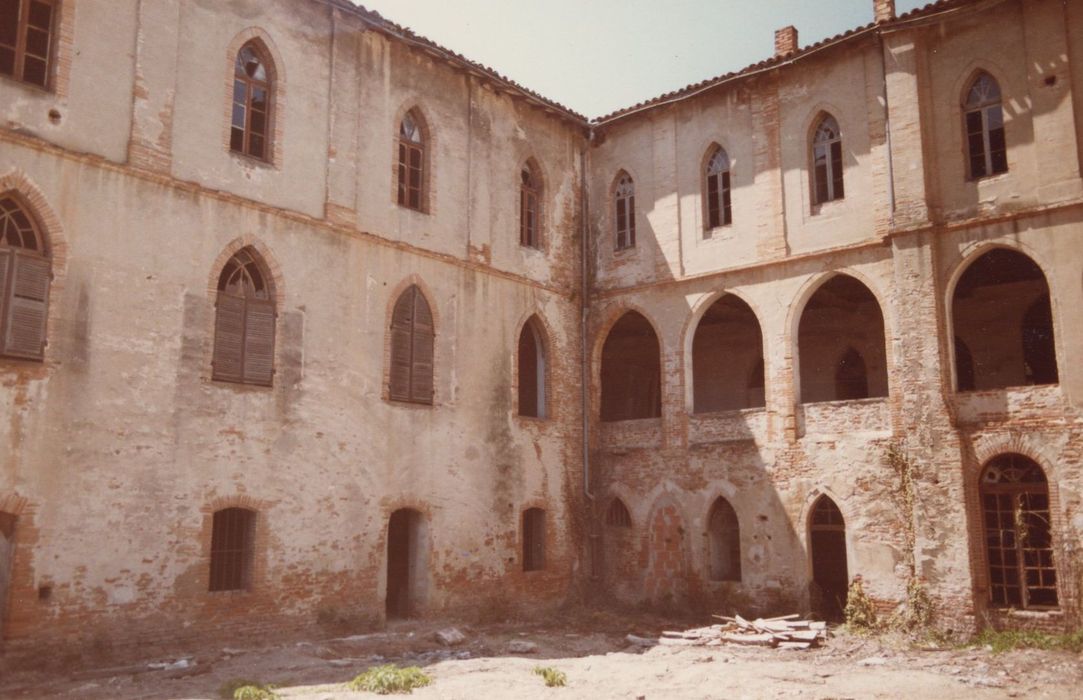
596,56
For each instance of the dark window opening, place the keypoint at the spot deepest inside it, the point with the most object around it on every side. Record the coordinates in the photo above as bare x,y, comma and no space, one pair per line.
529,196
252,92
827,161
25,276
631,371
26,40
617,514
724,542
1018,533
841,343
531,371
244,324
1003,319
405,562
719,209
412,341
411,172
727,358
827,548
987,151
7,558
624,197
232,545
533,539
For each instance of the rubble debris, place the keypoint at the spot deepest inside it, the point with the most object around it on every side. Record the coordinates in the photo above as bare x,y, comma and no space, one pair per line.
522,646
449,636
786,632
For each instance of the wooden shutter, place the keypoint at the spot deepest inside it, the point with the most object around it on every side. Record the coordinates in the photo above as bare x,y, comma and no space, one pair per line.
402,322
228,338
5,264
27,307
259,341
421,388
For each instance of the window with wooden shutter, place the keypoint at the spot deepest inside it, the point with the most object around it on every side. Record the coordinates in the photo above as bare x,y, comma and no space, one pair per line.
412,338
25,274
26,39
233,533
244,323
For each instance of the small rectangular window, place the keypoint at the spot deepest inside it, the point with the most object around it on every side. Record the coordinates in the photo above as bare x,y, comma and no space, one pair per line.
533,539
232,539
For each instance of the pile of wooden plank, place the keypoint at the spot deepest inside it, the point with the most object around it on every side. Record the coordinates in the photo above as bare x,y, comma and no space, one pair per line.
786,632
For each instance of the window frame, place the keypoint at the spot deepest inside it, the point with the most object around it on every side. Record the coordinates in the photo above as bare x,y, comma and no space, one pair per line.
624,200
230,567
407,163
258,314
26,275
984,109
416,335
19,48
718,205
530,193
826,134
250,84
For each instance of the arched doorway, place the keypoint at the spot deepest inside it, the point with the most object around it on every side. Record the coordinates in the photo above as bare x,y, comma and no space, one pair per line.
827,549
406,554
7,556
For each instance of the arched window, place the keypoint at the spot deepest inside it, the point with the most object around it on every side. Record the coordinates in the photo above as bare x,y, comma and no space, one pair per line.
411,182
827,161
25,273
529,213
624,197
26,41
533,539
631,371
1018,533
1002,319
841,343
727,349
250,129
233,533
412,339
718,189
532,370
987,152
244,325
617,514
724,542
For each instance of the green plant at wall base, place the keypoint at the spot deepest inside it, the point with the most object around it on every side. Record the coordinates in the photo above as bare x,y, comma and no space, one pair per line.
1014,639
860,613
246,689
389,678
553,677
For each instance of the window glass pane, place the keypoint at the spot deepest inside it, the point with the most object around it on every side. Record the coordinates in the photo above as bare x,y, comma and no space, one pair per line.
255,145
9,21
258,123
994,117
34,70
415,199
821,181
239,91
236,140
40,15
259,99
37,43
7,61
415,158
238,116
415,178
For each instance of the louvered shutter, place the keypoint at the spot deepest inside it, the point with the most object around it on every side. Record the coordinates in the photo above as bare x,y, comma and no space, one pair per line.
228,337
402,321
5,265
422,365
259,341
27,307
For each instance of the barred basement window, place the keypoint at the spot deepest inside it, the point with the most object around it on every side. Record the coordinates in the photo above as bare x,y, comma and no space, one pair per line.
25,273
412,340
624,197
244,323
252,101
26,41
533,539
529,196
411,180
232,543
724,540
1018,533
718,189
827,161
617,515
987,151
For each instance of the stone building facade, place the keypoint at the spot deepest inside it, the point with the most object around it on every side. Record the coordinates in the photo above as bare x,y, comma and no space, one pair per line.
331,325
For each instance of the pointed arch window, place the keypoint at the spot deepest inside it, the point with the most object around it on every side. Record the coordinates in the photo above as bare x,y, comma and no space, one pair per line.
617,514
529,197
724,540
412,340
250,128
411,174
624,196
719,212
532,370
987,152
26,39
244,325
25,274
827,161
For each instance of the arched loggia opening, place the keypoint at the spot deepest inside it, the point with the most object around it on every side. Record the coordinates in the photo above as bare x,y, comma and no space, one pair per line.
631,371
841,343
727,358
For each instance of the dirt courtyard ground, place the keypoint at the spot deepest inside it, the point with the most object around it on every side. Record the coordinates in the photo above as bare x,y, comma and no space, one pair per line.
599,663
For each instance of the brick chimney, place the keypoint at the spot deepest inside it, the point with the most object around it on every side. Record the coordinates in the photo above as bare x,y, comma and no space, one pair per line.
883,10
785,41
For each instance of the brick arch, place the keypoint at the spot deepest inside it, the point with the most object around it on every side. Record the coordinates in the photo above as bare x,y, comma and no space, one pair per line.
967,75
411,280
270,263
278,82
237,500
17,183
691,325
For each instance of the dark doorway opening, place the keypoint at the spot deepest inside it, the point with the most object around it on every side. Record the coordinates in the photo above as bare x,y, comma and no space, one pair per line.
405,562
827,548
7,555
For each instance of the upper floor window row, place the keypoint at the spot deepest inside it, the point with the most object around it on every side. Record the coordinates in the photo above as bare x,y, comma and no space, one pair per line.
253,91
983,116
26,40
